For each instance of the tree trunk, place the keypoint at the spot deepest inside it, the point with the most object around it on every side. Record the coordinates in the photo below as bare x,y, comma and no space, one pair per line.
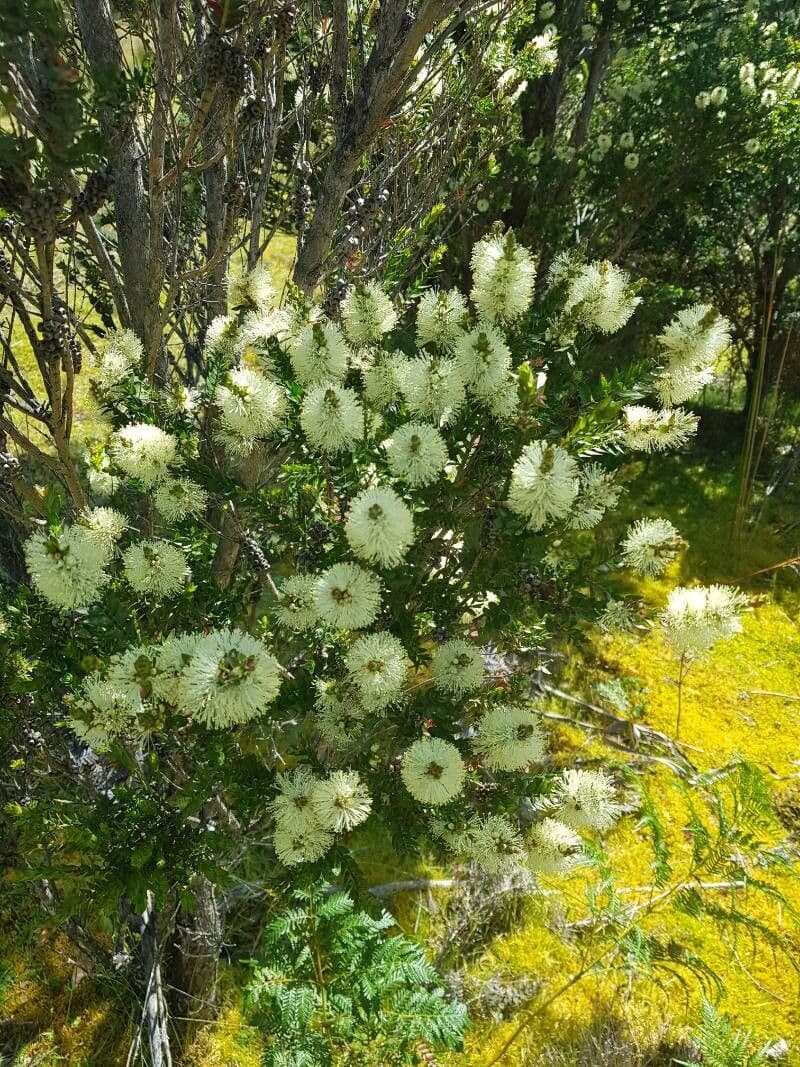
199,943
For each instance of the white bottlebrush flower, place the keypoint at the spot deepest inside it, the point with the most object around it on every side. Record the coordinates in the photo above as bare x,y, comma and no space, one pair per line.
702,100
503,277
181,399
102,714
104,525
295,609
231,679
544,484
626,140
441,314
433,771
251,289
292,805
457,667
597,493
617,617
646,430
180,498
483,359
155,568
586,800
600,296
259,328
769,97
341,801
332,418
496,844
695,619
367,313
543,48
223,338
377,665
509,738
630,162
752,145
173,657
719,94
319,354
604,142
381,377
347,597
250,404
650,545
503,403
339,716
379,526
67,569
555,847
692,343
432,386
144,451
417,453
102,483
134,673
302,844
120,356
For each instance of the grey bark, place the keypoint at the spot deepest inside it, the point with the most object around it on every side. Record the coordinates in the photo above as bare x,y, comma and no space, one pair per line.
132,218
399,36
200,940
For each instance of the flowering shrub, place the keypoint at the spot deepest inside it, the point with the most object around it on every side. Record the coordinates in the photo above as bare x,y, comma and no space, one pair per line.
392,477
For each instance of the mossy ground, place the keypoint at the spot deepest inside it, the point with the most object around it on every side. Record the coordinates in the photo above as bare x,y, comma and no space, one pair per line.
741,700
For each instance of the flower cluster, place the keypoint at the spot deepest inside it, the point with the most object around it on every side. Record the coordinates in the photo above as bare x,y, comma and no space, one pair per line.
367,313
144,452
647,430
649,545
309,810
503,277
544,484
379,527
120,357
692,343
68,569
250,406
695,619
599,295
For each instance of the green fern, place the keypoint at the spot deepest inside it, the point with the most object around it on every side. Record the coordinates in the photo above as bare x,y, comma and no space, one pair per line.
333,987
721,1045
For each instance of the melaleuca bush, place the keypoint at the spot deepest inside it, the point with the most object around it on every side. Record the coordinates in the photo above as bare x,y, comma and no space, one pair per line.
396,491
